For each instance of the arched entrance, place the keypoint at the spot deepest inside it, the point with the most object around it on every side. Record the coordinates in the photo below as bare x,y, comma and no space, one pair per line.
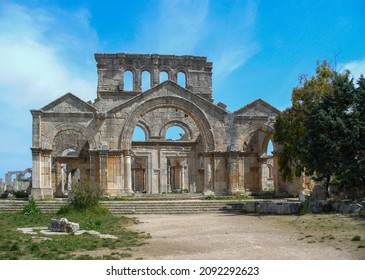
162,165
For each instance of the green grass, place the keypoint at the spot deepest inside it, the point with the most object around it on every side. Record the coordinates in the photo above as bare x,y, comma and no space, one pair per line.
16,245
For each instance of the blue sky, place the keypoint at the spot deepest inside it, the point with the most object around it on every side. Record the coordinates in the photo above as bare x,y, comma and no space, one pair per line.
258,49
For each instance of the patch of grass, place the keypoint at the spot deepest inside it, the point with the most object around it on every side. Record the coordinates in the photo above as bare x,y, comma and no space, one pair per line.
16,245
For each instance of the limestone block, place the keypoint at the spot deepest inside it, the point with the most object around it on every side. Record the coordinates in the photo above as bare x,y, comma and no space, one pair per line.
63,225
251,206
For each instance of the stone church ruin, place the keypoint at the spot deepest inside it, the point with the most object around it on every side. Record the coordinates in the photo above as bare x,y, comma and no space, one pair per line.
219,152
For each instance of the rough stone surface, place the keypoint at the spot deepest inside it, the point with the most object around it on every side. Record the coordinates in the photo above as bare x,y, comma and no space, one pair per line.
63,225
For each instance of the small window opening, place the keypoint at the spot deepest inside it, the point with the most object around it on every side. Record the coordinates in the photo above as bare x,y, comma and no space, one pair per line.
181,79
175,133
146,80
163,76
138,134
128,81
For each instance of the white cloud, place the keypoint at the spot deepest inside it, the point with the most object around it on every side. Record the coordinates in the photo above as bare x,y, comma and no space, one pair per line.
235,37
34,68
42,58
356,68
176,28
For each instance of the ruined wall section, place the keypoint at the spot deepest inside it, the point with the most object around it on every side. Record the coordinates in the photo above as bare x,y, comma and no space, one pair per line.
112,67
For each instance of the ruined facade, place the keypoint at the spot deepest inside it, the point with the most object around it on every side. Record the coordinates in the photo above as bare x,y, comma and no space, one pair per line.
17,180
219,152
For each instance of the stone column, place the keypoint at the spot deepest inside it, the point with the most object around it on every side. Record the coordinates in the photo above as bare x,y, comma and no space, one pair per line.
233,173
207,174
36,173
275,171
155,75
41,174
127,172
103,168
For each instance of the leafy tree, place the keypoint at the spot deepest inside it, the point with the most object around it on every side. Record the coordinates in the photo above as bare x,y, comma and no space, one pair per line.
323,132
289,129
334,144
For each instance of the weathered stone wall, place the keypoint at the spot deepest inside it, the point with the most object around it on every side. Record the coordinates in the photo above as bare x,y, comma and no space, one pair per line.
221,152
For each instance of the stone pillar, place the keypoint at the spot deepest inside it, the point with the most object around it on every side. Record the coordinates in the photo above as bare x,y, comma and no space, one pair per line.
137,83
233,173
114,180
127,172
275,171
155,75
168,178
182,173
208,176
41,174
103,168
63,179
36,173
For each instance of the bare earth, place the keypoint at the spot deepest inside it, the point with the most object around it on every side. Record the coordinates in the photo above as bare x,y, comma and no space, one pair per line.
224,236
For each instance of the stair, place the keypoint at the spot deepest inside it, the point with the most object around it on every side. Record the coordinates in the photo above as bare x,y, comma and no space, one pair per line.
186,206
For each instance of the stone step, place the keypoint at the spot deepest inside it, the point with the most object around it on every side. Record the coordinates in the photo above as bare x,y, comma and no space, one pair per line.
122,207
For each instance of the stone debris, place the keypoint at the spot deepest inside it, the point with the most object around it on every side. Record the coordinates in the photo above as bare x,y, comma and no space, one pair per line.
44,230
63,225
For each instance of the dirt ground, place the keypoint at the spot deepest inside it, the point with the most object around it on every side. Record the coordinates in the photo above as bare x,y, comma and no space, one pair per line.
214,236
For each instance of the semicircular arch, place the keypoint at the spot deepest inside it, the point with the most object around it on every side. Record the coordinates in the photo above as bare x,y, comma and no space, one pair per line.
247,135
63,128
168,102
179,123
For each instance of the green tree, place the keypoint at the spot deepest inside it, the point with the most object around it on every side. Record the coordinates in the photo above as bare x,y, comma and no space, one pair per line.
334,145
289,129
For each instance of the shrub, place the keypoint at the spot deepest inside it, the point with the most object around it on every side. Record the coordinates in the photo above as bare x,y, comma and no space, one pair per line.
21,194
85,195
31,208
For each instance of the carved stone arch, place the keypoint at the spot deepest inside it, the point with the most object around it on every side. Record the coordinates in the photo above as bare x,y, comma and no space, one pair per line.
269,136
135,76
247,135
178,70
179,123
68,127
168,102
145,128
166,69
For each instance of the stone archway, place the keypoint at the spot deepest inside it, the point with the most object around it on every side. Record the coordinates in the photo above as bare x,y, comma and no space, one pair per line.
189,108
158,170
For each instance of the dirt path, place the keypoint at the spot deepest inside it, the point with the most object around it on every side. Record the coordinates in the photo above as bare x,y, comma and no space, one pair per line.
222,236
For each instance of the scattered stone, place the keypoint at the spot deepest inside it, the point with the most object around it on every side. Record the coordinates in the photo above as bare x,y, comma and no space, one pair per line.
63,225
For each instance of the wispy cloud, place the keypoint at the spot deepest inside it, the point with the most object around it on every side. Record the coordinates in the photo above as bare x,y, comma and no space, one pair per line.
235,37
35,63
356,68
200,28
176,27
42,58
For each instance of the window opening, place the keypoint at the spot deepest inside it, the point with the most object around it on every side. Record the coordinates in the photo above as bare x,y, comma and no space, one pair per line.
163,76
138,134
128,81
146,80
175,133
181,79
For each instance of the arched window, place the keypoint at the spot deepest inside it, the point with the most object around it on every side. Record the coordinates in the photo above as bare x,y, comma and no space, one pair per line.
163,76
270,148
146,80
181,79
69,153
138,134
128,81
175,133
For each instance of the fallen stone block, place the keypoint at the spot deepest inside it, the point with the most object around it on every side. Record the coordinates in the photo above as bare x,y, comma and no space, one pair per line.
63,225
